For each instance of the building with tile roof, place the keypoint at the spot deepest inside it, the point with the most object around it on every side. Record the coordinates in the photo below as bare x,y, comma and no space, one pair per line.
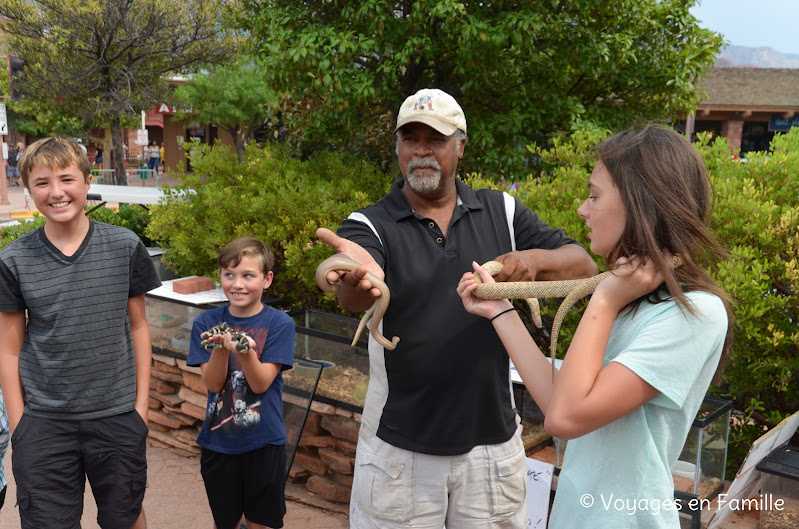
747,106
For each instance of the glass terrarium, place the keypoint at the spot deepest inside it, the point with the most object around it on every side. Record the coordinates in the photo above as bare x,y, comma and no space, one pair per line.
171,315
326,338
164,273
170,325
699,471
779,489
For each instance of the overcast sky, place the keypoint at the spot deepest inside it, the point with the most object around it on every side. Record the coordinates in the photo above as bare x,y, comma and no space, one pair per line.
753,23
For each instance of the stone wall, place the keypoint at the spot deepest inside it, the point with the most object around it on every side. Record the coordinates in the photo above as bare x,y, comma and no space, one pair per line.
325,457
177,405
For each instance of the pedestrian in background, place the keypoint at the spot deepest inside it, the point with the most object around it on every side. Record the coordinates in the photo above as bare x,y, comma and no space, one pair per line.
12,172
154,161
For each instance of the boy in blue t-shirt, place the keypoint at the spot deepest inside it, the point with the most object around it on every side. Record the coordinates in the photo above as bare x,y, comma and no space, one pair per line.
243,437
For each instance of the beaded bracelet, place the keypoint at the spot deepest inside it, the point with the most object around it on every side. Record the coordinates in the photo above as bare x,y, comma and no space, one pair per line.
501,313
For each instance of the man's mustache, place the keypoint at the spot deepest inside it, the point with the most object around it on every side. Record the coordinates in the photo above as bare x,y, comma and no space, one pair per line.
417,163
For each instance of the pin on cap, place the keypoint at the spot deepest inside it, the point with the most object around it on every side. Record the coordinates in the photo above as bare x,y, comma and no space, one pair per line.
434,108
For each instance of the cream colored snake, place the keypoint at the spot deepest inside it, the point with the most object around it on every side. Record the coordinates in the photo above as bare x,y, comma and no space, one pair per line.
572,290
342,263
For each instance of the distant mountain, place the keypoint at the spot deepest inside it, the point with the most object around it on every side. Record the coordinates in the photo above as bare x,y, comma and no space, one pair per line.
743,56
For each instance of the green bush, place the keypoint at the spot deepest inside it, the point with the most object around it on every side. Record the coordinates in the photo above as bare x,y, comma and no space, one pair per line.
130,216
272,197
10,233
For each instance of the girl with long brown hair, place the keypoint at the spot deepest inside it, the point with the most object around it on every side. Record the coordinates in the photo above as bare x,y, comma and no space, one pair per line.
652,337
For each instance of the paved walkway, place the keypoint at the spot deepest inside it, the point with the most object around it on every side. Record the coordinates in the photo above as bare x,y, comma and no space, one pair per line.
16,205
175,499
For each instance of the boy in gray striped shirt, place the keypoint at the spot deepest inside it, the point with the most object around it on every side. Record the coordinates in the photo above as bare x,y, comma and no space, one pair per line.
75,374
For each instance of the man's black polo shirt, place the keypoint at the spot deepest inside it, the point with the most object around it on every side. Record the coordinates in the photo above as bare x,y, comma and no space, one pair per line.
447,379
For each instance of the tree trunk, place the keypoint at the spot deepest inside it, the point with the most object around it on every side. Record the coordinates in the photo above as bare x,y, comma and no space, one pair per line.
239,141
120,177
108,146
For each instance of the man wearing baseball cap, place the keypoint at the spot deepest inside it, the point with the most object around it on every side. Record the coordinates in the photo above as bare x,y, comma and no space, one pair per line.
440,442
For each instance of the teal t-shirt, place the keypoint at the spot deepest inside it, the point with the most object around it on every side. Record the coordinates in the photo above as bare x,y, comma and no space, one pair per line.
619,476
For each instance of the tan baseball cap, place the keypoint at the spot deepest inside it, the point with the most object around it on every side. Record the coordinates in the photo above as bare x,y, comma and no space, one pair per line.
434,108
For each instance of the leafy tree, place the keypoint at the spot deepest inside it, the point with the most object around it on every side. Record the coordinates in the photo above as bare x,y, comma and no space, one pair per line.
37,117
235,98
523,71
101,60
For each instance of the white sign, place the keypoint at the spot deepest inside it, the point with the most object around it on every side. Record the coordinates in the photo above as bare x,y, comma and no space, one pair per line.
3,120
5,151
539,485
141,137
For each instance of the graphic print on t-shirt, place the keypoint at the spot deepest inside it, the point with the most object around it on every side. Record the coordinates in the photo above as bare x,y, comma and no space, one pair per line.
236,407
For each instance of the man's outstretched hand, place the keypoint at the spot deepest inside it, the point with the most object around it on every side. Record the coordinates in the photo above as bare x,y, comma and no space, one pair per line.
357,278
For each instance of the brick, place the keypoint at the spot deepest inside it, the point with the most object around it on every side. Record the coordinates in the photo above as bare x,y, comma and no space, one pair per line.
338,461
156,443
166,368
341,427
325,409
194,382
186,435
296,400
317,440
313,424
346,446
192,284
160,427
164,419
193,397
191,369
154,403
293,416
297,474
346,479
193,411
162,387
174,378
328,489
177,414
310,462
171,399
164,359
172,442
